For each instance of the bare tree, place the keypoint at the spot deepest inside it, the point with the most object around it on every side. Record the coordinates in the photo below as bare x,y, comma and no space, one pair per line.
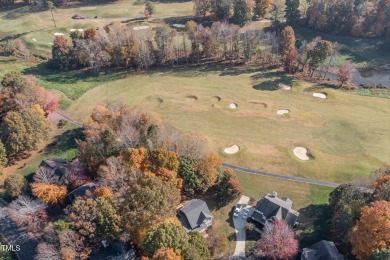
192,146
28,213
47,251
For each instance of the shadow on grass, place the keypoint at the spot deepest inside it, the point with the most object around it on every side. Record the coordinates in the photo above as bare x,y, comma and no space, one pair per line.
65,141
314,224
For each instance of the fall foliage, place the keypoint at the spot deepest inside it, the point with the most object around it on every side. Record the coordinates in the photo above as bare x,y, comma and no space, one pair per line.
372,231
49,194
277,241
167,254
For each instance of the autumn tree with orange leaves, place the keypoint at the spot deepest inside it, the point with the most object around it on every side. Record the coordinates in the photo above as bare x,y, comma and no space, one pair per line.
167,254
372,231
48,193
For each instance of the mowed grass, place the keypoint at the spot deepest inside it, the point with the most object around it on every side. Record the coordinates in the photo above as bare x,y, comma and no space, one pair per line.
346,134
37,29
362,52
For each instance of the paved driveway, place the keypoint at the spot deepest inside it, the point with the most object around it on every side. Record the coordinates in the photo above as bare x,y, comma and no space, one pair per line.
240,228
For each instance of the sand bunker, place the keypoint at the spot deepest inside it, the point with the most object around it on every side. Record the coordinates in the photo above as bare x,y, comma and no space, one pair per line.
59,34
76,30
282,111
284,86
301,153
34,40
191,98
178,25
320,95
141,27
233,106
216,98
258,104
232,149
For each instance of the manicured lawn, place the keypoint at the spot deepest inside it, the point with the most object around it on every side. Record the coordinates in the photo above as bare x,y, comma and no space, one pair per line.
37,28
345,133
361,52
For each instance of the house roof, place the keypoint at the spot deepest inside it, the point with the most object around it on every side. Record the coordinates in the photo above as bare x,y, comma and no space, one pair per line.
195,211
323,250
273,207
81,191
56,166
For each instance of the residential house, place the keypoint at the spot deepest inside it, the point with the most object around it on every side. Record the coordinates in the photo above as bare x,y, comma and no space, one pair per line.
195,215
56,166
271,208
84,190
323,250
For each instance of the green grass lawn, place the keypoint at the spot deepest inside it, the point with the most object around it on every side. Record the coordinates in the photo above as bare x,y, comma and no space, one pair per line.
63,145
37,28
362,52
345,133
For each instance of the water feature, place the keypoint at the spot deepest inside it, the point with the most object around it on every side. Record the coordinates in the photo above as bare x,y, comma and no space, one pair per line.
372,76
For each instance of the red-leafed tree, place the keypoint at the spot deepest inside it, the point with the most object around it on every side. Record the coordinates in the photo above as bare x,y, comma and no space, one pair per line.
277,242
46,100
345,74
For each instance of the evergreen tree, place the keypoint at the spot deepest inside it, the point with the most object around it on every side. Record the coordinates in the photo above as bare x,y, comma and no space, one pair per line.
3,155
242,12
292,11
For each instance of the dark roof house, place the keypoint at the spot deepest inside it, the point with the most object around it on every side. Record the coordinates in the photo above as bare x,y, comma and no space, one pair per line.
84,190
115,251
56,166
195,215
271,208
323,250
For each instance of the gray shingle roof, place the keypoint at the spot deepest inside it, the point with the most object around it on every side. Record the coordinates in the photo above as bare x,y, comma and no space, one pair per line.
81,191
195,212
272,207
323,250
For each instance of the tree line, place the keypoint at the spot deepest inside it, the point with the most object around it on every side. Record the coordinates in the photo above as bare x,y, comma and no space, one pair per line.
144,169
24,107
362,18
122,47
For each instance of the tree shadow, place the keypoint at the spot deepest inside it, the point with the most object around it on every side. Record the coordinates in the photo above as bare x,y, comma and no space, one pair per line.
314,224
65,141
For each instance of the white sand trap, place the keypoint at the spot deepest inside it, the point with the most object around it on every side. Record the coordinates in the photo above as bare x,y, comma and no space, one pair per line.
34,40
141,28
233,106
80,30
73,30
320,95
284,86
59,34
178,25
282,111
232,149
301,153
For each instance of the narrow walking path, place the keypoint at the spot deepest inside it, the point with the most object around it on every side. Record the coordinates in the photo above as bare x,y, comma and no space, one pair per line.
281,176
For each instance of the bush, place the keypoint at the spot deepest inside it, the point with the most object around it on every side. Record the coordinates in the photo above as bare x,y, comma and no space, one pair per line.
15,185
